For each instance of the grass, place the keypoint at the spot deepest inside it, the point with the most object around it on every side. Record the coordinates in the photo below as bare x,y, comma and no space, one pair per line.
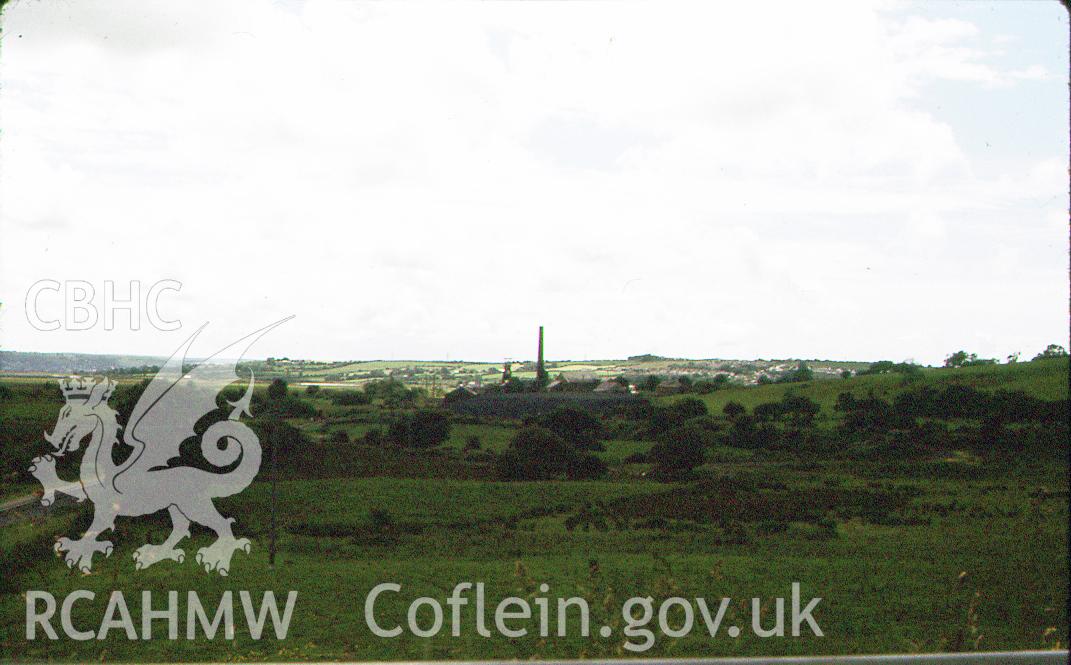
494,438
959,551
885,588
617,450
1046,379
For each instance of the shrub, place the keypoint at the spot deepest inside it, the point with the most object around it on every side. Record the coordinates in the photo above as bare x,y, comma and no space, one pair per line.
706,386
393,393
472,443
423,429
733,410
799,410
1052,351
536,453
579,427
689,407
679,451
380,520
964,359
277,389
585,467
288,442
288,406
339,436
349,398
312,390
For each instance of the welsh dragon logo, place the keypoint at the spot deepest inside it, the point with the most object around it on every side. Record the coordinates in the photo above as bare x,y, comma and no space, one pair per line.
156,475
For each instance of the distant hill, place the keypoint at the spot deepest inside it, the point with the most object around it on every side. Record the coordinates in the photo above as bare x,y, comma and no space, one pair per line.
1044,379
65,363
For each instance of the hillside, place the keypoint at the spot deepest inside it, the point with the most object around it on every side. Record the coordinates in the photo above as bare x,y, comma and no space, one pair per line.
1044,379
22,362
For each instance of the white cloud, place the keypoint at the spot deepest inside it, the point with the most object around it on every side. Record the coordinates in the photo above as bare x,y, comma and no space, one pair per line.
424,180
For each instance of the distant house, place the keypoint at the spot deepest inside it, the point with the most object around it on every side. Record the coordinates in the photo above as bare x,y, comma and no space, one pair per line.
609,386
574,382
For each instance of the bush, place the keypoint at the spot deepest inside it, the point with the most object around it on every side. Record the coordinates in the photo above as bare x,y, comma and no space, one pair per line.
312,390
380,520
423,429
679,451
1052,351
349,398
733,409
585,467
277,389
579,427
964,359
472,443
689,407
288,406
288,442
536,453
392,392
705,387
747,433
339,436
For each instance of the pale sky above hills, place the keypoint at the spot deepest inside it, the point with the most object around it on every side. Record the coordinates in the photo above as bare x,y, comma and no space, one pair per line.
820,180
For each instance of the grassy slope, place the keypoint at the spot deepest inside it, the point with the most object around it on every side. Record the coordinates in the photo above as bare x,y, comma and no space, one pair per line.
1046,379
887,587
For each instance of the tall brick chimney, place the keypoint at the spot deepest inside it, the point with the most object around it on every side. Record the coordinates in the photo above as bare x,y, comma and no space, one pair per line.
541,371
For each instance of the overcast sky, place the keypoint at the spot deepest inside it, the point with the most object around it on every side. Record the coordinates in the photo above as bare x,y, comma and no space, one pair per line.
739,180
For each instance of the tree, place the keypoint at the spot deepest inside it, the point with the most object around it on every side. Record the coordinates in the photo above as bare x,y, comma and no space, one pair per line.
393,393
957,359
423,429
964,359
799,410
349,398
679,451
689,407
277,390
733,410
846,374
1052,351
580,427
536,453
880,367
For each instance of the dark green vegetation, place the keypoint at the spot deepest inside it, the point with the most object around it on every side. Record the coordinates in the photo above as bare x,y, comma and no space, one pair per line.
928,508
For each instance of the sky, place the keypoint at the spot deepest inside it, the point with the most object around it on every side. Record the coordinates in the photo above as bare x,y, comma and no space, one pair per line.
854,180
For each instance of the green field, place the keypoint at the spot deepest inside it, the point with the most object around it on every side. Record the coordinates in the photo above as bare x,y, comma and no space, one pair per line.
946,548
